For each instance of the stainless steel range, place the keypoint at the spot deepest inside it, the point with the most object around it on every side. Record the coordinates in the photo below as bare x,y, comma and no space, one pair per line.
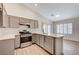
25,38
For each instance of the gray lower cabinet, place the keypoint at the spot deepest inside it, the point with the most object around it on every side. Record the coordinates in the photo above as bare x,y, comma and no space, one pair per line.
51,44
48,44
17,41
41,41
38,39
33,38
45,42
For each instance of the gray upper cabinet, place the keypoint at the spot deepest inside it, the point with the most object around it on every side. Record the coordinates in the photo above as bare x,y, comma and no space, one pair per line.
24,20
32,24
35,24
14,22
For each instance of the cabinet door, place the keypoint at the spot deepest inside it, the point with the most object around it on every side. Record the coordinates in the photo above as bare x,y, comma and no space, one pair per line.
41,40
33,38
7,47
17,41
35,24
14,22
48,44
31,23
37,39
24,21
59,46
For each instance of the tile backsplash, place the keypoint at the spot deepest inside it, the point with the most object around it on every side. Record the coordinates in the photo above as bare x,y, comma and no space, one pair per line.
6,31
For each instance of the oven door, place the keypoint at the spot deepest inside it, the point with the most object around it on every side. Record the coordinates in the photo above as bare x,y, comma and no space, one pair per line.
25,39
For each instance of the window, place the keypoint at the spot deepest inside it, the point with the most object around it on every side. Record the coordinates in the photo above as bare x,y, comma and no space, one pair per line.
47,28
64,28
61,28
70,28
58,29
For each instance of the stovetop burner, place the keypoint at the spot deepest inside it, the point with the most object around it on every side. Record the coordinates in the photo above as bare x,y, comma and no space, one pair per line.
25,32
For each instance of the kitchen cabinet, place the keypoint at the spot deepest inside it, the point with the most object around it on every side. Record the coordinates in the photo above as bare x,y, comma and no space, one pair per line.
14,21
58,46
35,24
38,39
41,40
24,20
48,44
33,38
7,47
17,41
32,25
52,44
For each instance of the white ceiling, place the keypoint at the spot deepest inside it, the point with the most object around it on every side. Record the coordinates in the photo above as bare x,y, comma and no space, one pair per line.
65,10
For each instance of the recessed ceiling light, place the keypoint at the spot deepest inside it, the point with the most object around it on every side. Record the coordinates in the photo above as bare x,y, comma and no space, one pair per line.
57,15
35,4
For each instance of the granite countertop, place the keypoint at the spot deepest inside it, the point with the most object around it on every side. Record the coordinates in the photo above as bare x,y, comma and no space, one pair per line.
51,35
7,37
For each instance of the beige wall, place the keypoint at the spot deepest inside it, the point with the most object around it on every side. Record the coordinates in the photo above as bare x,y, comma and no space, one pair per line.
75,29
16,9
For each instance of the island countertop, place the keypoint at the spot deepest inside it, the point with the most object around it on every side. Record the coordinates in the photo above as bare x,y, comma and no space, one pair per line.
51,35
7,37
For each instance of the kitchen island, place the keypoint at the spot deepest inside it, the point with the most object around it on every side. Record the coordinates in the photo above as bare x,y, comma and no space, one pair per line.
52,43
7,44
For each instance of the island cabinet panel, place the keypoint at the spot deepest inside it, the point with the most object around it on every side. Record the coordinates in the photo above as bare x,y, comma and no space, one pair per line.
14,22
58,46
7,47
48,44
